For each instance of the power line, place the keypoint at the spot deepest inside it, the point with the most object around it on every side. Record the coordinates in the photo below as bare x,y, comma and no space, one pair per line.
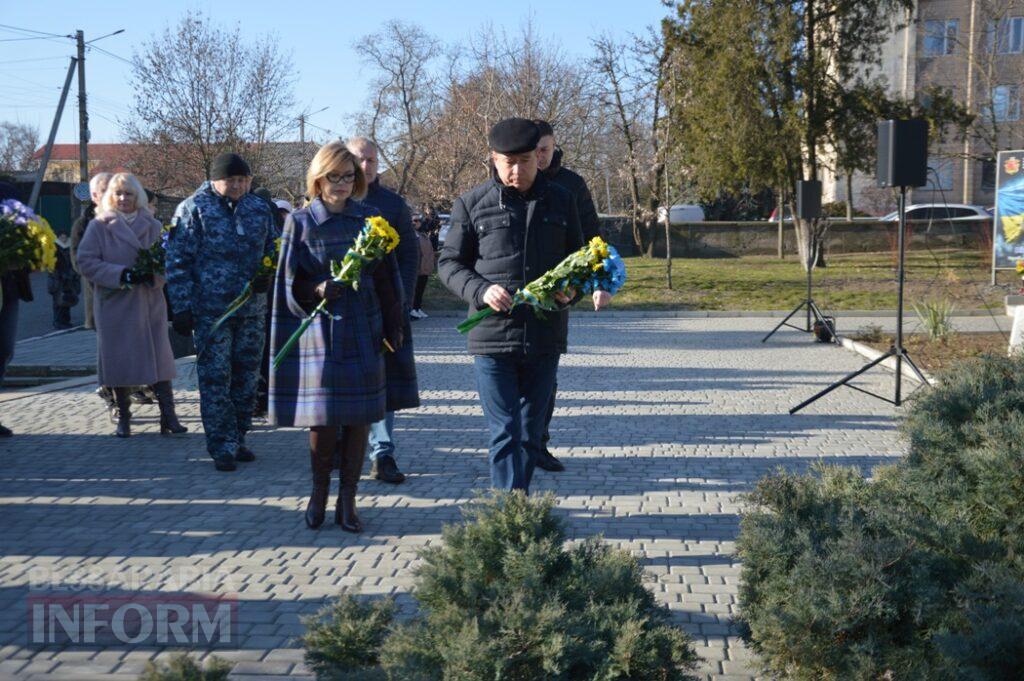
111,54
22,61
30,30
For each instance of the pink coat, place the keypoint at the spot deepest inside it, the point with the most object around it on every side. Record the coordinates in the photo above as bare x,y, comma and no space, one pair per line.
133,347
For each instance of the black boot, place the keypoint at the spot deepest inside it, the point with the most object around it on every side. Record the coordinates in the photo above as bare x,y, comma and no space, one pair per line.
353,452
316,509
169,423
124,414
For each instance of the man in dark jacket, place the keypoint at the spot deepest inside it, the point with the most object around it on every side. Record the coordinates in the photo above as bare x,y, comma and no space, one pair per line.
16,288
549,161
504,234
403,389
97,187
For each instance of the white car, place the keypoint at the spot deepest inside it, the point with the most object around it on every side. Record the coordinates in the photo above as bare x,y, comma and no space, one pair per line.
941,211
682,213
446,223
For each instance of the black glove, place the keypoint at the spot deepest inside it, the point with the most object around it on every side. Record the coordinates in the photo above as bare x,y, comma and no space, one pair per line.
182,323
261,284
329,290
139,279
126,277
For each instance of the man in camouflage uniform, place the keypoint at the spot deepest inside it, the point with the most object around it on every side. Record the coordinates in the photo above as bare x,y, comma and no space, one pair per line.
219,238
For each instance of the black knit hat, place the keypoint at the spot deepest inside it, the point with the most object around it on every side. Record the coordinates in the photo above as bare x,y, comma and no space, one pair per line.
228,165
544,127
513,136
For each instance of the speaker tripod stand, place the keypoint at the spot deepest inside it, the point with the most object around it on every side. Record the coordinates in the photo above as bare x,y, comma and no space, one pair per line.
812,310
897,351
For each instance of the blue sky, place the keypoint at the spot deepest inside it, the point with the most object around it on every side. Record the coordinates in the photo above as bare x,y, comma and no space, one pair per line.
324,38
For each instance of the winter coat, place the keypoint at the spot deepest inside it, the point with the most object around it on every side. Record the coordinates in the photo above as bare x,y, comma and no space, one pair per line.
214,251
78,231
577,186
426,255
133,345
499,236
335,373
403,386
64,283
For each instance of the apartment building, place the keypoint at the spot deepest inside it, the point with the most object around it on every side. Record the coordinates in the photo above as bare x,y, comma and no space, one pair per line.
975,48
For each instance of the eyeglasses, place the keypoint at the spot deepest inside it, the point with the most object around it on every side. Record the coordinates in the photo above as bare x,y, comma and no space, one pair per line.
338,178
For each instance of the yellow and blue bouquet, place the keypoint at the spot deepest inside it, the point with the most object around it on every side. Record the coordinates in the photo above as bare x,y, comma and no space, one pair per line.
26,239
375,240
595,267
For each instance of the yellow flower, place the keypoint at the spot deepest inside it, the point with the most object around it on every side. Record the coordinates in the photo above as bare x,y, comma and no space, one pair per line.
267,262
1020,267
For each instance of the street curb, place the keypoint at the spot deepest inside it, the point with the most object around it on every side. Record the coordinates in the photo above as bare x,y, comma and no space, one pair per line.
11,396
871,355
726,314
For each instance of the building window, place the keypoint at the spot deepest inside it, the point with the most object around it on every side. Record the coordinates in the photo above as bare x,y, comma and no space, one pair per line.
940,37
1005,103
988,175
940,176
1006,37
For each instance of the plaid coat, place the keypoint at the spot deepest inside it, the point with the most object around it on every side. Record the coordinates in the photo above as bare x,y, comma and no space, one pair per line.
334,375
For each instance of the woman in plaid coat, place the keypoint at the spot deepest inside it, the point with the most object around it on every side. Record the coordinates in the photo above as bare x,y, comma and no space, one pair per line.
333,381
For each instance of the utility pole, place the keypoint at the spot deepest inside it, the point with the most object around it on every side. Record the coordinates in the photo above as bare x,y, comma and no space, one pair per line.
83,113
38,184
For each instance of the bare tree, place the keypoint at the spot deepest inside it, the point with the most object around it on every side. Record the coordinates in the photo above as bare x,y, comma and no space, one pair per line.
404,105
202,89
17,144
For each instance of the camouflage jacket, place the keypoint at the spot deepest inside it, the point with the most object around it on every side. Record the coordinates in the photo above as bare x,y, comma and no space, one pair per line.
213,252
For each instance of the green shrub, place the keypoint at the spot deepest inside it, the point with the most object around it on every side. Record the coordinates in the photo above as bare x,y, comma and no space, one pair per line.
184,668
915,574
936,318
502,598
343,640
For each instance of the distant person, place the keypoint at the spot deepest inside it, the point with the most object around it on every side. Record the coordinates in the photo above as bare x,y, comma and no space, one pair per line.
218,239
97,186
549,161
427,262
63,284
133,347
403,388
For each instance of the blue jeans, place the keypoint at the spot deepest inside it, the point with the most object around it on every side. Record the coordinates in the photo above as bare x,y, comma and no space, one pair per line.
381,441
515,391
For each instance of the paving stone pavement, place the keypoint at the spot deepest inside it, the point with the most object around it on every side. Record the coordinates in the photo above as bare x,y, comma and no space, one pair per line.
661,421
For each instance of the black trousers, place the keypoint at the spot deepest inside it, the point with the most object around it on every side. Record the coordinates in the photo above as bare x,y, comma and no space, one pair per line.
421,286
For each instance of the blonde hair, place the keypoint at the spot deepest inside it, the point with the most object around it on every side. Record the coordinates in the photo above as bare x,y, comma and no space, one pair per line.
329,159
99,178
108,202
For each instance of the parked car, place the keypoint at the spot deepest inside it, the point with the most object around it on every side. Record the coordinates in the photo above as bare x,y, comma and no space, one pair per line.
682,213
787,215
446,223
941,211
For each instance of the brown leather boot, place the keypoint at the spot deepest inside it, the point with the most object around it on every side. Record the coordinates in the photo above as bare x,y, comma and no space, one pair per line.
169,423
124,414
353,452
316,509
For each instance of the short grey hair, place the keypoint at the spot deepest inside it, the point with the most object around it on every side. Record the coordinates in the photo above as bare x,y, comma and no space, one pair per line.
359,141
94,183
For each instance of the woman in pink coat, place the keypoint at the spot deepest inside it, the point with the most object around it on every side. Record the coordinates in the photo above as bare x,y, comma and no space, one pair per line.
133,346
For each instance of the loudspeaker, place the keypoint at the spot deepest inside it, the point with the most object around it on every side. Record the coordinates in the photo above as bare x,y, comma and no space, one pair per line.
903,153
808,199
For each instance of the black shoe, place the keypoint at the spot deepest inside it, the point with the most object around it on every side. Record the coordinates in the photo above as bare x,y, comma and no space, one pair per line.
224,463
5,431
548,462
140,397
386,470
244,454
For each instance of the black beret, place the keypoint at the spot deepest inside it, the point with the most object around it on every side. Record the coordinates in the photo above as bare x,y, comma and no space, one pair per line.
544,127
228,165
513,136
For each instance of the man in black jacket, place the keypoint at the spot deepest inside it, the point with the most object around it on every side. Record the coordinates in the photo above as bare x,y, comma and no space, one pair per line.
504,234
549,161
